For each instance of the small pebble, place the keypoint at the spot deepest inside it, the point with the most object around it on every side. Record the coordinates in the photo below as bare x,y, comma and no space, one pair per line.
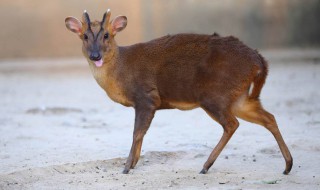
254,160
226,157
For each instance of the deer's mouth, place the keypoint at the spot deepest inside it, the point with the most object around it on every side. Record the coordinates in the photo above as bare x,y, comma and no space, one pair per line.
98,63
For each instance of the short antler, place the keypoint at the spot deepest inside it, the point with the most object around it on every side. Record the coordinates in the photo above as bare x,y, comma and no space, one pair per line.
106,19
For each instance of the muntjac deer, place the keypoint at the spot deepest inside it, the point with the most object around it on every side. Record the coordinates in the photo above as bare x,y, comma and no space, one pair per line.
221,75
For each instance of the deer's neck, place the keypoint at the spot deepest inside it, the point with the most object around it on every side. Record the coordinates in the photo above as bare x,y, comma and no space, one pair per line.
107,76
103,73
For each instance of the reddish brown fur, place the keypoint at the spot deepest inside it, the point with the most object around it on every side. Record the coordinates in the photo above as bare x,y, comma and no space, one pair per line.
186,71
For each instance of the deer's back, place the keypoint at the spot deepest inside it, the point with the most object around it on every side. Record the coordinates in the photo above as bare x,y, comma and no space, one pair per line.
184,68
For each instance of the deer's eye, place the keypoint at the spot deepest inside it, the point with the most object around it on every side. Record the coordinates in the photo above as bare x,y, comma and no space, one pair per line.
85,36
106,36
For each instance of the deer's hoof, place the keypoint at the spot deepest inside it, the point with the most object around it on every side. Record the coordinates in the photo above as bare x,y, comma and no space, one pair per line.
125,171
203,171
285,172
288,167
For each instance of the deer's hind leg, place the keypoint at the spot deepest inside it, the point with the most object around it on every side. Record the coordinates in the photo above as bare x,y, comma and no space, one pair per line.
222,115
251,110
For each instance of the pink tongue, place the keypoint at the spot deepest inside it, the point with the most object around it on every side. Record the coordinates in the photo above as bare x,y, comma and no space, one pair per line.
98,63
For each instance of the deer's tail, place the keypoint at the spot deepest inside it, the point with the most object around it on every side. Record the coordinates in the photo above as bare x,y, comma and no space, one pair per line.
259,79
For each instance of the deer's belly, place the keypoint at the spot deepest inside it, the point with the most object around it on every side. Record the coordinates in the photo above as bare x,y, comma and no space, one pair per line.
183,105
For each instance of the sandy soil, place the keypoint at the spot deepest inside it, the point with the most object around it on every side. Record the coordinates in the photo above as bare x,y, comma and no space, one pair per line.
58,130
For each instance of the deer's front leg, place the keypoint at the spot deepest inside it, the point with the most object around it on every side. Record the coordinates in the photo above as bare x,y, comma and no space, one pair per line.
143,118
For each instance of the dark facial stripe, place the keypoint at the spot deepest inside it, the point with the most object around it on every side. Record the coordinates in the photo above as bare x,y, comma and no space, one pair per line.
95,37
100,31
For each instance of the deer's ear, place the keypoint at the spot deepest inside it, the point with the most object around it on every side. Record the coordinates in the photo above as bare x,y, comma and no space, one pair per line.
118,24
74,25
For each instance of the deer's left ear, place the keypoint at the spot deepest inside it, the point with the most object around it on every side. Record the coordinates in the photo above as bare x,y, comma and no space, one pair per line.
118,24
74,25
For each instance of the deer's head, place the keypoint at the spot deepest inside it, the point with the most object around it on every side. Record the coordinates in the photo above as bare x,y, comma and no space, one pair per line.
97,37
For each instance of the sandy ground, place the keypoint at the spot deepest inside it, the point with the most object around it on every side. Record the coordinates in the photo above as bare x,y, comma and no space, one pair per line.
58,130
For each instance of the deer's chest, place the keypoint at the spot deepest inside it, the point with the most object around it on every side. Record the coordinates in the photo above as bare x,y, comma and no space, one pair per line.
113,86
116,92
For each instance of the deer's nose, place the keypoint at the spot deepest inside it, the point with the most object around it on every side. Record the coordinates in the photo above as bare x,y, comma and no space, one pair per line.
95,56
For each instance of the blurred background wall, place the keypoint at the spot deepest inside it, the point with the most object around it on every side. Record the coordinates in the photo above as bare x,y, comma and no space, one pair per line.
35,28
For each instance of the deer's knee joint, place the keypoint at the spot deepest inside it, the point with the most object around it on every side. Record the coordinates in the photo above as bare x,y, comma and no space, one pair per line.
271,118
231,126
138,135
270,123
